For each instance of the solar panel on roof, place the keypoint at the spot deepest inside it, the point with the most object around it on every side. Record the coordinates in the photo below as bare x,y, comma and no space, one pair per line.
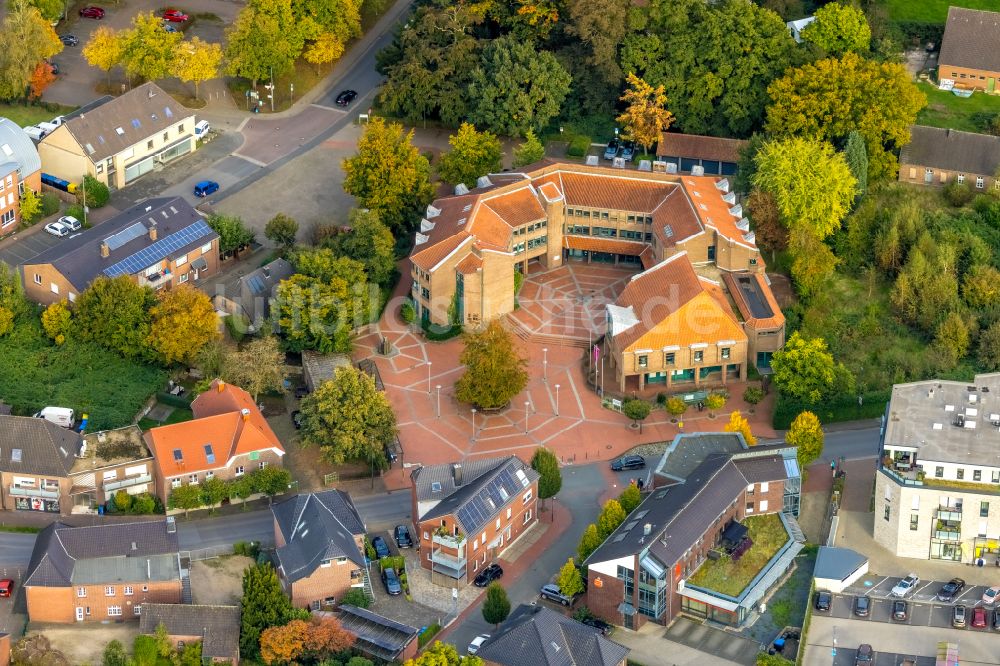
256,284
126,235
158,250
135,123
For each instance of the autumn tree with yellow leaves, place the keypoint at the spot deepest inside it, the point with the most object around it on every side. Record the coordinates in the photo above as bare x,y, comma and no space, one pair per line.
646,115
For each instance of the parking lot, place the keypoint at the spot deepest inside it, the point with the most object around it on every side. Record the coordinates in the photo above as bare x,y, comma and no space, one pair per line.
845,657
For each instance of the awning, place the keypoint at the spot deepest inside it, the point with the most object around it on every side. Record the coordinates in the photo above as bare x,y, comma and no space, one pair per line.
199,264
626,609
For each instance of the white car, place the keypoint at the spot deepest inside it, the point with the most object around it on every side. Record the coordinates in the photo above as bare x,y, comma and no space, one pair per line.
57,229
477,643
70,223
201,129
906,585
991,595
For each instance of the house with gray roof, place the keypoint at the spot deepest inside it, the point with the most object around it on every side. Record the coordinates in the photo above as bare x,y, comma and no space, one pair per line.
936,157
121,139
535,634
255,290
158,243
216,627
320,552
103,573
969,56
36,458
20,167
468,514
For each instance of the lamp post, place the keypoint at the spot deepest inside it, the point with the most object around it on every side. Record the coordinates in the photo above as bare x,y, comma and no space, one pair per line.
429,377
526,405
473,424
545,364
291,93
557,399
439,401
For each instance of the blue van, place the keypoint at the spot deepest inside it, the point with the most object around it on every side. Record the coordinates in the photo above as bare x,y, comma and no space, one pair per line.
206,187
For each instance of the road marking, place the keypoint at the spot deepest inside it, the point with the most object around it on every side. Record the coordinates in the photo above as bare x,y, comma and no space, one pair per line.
250,160
329,108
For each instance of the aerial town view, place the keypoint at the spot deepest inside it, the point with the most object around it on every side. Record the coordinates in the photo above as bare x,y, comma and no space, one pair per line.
500,333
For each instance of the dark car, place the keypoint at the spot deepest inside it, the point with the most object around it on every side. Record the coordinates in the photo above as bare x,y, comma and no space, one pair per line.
862,606
346,97
301,392
611,152
864,656
628,462
979,617
297,419
598,624
900,611
628,151
69,40
402,535
951,589
55,67
205,188
823,600
488,575
92,12
995,620
391,581
381,547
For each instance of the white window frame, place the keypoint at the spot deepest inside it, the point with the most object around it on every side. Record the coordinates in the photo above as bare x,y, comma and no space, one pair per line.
81,593
181,260
114,611
527,497
38,278
764,485
137,609
980,182
128,590
762,506
175,483
207,247
54,288
239,470
109,590
183,278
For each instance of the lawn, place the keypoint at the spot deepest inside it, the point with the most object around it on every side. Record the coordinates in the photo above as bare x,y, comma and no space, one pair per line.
178,415
729,577
931,11
947,110
25,115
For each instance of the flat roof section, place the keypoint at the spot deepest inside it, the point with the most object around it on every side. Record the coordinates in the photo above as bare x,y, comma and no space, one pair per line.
754,297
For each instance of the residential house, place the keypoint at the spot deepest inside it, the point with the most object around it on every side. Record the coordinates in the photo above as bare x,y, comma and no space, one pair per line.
120,140
319,368
108,462
468,514
796,27
969,56
936,156
699,155
227,438
320,547
216,627
20,167
102,573
378,636
159,243
256,291
534,634
937,487
36,457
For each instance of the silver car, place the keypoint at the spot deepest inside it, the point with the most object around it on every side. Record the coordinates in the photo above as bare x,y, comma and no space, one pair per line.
906,585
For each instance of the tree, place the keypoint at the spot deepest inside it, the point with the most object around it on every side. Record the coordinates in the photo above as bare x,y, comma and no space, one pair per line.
11,292
812,264
263,41
263,605
270,480
546,464
43,75
530,151
104,50
806,435
637,410
355,597
144,651
114,313
388,175
190,655
213,491
570,581
325,636
363,661
952,338
123,501
645,114
612,515
162,639
233,233
326,48
281,230
197,61
258,367
371,243
97,193
339,18
115,654
738,423
283,644
765,659
473,154
30,206
989,347
516,88
148,51
602,26
349,419
313,313
27,39
441,654
676,406
496,607
185,497
589,542
839,29
6,320
753,395
830,98
981,287
715,401
242,487
856,155
51,10
630,498
181,323
803,368
495,370
771,234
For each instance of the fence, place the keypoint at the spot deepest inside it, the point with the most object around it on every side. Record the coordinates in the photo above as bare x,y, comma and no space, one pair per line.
209,553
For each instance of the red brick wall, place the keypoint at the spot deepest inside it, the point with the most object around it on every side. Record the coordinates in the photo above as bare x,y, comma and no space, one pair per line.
162,484
58,604
966,77
774,497
332,581
4,649
604,598
8,501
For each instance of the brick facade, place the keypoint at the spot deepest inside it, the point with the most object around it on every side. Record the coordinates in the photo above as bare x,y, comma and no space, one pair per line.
919,174
327,584
226,472
61,604
967,77
34,492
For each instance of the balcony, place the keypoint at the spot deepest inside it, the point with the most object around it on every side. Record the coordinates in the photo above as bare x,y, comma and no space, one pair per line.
953,513
16,491
948,534
456,542
448,560
127,483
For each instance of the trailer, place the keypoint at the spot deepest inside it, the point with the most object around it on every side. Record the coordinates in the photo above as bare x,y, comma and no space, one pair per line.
947,654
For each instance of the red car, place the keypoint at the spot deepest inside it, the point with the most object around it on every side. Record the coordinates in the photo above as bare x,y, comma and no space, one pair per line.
979,617
175,16
92,12
6,587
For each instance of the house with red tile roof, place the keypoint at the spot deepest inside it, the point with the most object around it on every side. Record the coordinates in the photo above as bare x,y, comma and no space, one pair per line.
227,438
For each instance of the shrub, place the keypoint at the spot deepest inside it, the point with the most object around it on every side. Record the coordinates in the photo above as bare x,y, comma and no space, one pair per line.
661,399
97,193
123,501
427,634
50,204
407,313
578,146
356,597
247,549
76,210
957,194
753,395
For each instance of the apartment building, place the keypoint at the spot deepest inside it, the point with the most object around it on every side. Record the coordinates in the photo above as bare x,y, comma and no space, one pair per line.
936,157
937,489
468,514
36,457
969,57
20,167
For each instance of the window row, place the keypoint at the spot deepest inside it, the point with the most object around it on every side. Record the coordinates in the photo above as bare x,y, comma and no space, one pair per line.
610,216
669,358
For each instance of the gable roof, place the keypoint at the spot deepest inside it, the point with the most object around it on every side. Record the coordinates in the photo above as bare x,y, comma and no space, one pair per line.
696,146
614,191
218,626
16,146
970,39
317,527
541,637
255,289
965,152
36,446
125,121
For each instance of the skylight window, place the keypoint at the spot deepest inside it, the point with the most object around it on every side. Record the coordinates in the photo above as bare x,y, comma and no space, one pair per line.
135,123
435,487
120,131
168,112
15,455
178,456
209,453
90,149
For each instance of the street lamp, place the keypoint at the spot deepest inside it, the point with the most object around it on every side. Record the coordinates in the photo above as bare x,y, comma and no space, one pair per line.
545,364
429,377
473,424
291,93
526,405
557,399
439,401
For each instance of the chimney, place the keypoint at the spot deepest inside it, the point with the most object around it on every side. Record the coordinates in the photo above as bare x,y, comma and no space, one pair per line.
134,547
246,413
105,250
220,386
149,573
456,473
152,231
647,529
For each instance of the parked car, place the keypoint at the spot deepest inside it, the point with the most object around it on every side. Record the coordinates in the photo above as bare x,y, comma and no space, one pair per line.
823,601
70,222
488,575
906,585
381,547
301,392
979,617
900,611
991,594
56,229
391,581
6,587
297,419
552,592
599,624
628,462
864,656
92,12
168,27
628,151
951,589
958,617
996,620
175,16
345,97
69,40
201,128
611,152
205,188
862,606
402,535
477,643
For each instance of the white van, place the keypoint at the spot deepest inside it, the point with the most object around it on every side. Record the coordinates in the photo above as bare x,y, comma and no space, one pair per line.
201,129
35,133
61,416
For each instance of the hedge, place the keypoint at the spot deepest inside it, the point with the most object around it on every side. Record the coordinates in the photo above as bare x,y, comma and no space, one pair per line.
173,400
841,408
578,146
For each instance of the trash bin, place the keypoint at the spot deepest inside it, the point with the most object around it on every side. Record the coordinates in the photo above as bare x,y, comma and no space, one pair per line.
100,509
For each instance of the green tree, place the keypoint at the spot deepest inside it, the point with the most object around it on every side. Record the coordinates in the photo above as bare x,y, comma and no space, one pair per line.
813,262
738,423
989,347
191,655
338,18
389,175
645,114
264,40
765,659
148,50
11,291
838,29
30,206
281,231
197,61
546,464
806,435
570,581
263,605
355,597
104,50
612,515
516,88
804,369
637,410
602,26
349,419
123,501
257,367
27,39
242,487
325,48
144,651
316,314
371,243
213,491
6,321
531,150
981,287
57,321
182,322
114,313
496,607
589,542
234,235
630,498
440,654
97,193
186,498
115,654
473,154
856,155
715,401
51,10
495,370
270,480
952,338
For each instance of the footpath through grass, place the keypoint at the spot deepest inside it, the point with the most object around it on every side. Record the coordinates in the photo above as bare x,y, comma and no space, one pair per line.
25,115
731,577
945,109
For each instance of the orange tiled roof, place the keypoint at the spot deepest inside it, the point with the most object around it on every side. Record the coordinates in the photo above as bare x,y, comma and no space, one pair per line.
550,190
516,208
712,210
489,228
648,257
612,245
775,320
469,265
696,146
615,191
429,258
675,212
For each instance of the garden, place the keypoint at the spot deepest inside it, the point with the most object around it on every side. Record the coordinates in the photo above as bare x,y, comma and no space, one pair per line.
945,109
730,574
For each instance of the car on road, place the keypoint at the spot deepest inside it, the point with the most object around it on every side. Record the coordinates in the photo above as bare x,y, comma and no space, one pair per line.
488,575
906,585
69,40
346,97
599,624
169,28
900,610
628,462
552,592
205,188
92,12
862,606
391,582
823,601
7,587
477,643
297,419
381,547
979,617
864,656
402,535
950,590
611,152
991,595
959,617
70,222
56,229
628,151
175,16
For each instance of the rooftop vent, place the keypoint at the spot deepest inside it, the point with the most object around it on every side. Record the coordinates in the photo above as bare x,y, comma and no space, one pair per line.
736,211
134,546
456,473
723,185
729,198
484,181
461,189
245,413
930,393
973,397
949,408
432,212
697,170
647,529
938,426
743,224
592,160
671,167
